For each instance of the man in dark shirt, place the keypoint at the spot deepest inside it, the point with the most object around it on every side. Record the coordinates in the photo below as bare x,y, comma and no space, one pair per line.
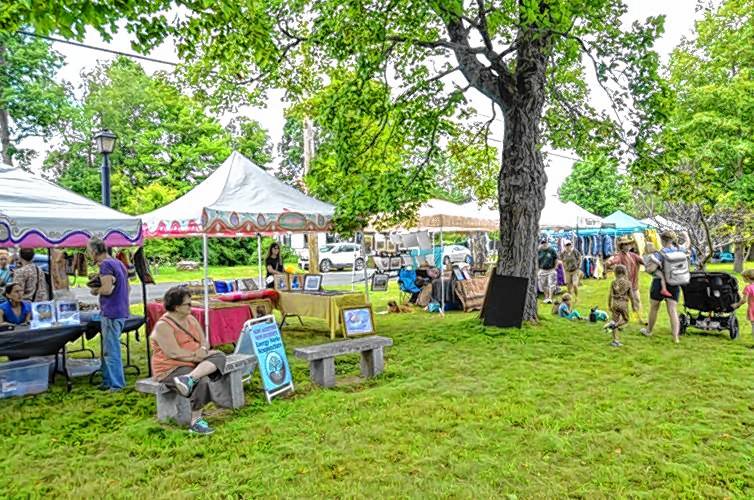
547,258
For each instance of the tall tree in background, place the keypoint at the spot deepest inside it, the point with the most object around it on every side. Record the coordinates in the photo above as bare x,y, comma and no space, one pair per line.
165,138
704,155
31,101
596,185
529,58
291,149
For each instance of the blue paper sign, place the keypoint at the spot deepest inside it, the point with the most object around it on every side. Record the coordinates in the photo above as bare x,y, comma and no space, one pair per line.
270,352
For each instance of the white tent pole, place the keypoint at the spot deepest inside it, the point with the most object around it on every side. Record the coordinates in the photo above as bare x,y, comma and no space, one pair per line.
364,258
353,271
259,259
206,286
442,274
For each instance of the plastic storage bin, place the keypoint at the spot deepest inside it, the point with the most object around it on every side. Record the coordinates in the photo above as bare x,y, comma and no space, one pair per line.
25,376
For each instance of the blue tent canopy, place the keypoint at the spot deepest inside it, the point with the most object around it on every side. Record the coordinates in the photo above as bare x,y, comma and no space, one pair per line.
623,221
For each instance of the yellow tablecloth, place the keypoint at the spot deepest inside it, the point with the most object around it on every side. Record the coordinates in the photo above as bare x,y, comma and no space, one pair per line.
326,307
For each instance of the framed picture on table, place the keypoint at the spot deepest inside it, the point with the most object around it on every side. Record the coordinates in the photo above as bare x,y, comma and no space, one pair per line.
357,320
42,314
281,282
67,312
312,282
296,282
260,308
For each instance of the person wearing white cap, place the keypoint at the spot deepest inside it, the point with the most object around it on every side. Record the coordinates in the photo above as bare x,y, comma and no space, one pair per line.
547,259
571,259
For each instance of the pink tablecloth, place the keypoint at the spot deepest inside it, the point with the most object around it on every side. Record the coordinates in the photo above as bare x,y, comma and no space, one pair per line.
224,324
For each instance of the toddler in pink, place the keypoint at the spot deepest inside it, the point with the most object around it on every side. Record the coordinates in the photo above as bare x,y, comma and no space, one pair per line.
748,296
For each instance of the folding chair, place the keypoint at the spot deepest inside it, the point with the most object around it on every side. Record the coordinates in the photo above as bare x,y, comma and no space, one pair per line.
407,284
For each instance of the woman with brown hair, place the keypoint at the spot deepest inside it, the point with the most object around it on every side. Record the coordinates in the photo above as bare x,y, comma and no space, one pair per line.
182,359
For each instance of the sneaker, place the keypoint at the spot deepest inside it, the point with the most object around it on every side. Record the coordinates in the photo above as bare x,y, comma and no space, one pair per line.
610,326
184,385
201,427
646,332
548,301
615,343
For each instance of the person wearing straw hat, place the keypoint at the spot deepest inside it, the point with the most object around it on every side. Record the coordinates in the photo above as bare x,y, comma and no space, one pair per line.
631,261
571,259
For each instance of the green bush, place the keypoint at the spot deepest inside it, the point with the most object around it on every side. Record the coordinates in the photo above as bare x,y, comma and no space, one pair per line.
222,251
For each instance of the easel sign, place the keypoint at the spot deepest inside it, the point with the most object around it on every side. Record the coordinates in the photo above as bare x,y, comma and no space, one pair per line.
270,352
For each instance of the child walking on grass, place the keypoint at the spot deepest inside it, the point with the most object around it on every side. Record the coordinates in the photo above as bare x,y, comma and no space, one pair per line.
617,301
652,262
748,296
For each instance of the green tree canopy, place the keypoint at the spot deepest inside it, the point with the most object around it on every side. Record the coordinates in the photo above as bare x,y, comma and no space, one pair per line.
703,155
32,103
165,138
596,185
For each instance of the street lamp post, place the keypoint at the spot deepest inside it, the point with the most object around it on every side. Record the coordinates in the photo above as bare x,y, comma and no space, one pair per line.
105,141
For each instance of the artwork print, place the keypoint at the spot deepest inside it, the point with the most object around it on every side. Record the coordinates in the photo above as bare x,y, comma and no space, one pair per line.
296,282
312,282
42,314
358,320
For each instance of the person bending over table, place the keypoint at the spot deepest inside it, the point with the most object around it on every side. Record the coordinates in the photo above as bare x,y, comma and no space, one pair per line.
15,310
273,264
182,359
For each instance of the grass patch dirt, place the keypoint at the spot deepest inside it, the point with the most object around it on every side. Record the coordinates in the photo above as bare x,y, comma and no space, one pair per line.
461,411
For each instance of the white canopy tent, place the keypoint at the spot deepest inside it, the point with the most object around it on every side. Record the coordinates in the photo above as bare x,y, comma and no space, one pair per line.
36,213
660,222
557,214
238,199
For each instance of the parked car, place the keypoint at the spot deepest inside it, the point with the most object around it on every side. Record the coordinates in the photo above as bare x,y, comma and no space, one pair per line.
336,256
453,254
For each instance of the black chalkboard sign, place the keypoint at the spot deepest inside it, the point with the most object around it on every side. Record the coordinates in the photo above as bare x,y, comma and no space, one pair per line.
504,302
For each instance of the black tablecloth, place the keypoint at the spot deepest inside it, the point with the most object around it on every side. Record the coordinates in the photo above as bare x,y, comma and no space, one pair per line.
24,342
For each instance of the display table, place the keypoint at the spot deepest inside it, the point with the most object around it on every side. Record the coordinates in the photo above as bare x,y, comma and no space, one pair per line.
326,307
225,322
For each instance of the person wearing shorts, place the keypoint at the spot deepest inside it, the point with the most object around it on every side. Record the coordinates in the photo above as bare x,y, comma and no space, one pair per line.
571,259
668,239
547,276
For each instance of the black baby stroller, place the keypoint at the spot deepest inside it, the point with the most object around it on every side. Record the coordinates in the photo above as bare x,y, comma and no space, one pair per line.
712,295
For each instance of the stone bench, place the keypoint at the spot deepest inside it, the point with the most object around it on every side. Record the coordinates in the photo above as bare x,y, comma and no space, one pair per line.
226,392
321,357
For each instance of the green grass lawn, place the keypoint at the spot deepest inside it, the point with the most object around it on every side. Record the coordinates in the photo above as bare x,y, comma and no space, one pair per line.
461,411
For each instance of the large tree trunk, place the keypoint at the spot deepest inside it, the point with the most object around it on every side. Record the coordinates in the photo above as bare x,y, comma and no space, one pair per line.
522,180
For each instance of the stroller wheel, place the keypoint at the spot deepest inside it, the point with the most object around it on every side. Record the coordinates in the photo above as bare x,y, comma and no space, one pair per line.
683,323
733,326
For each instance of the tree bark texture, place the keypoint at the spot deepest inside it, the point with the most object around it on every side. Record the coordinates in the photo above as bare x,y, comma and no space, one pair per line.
739,257
4,123
522,180
5,137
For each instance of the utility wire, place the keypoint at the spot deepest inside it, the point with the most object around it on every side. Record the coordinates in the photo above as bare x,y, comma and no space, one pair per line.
101,49
170,63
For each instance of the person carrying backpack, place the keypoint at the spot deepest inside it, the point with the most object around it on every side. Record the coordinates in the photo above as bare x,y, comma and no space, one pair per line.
674,264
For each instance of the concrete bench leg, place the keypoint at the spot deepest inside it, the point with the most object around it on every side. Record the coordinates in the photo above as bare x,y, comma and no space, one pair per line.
372,362
173,406
228,391
322,371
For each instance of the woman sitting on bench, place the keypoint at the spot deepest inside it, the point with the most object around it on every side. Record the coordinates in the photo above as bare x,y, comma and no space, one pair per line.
182,359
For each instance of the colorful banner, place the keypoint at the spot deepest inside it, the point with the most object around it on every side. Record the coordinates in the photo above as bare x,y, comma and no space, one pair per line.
270,352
